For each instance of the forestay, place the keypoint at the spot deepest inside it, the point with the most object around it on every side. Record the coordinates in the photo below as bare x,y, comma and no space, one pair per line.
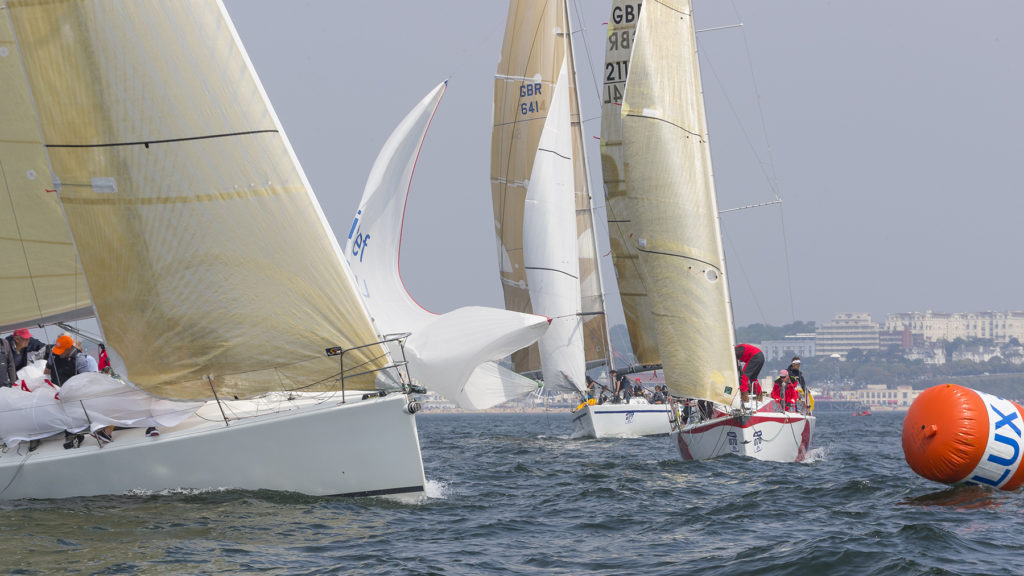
596,341
209,261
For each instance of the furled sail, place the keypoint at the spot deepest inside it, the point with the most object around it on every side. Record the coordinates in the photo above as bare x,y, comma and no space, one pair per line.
39,273
632,290
537,44
209,261
670,199
452,353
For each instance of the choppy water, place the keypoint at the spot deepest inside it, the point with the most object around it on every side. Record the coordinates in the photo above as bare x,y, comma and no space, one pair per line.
513,494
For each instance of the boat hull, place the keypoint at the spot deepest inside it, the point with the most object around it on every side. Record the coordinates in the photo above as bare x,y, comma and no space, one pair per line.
315,447
763,435
621,420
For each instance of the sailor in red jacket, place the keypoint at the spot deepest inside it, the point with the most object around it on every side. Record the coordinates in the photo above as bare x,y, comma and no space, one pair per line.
753,360
786,388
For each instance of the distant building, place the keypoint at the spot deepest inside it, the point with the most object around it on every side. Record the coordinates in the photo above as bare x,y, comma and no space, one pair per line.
930,353
876,396
798,344
999,327
974,353
846,332
903,339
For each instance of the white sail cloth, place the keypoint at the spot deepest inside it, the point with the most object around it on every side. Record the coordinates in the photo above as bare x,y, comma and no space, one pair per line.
452,353
453,350
94,400
550,249
32,415
35,408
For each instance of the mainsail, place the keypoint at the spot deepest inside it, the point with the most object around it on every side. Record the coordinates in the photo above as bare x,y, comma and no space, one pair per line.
209,261
39,273
669,198
632,290
535,52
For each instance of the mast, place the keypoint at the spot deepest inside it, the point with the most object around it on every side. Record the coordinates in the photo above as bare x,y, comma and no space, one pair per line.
597,338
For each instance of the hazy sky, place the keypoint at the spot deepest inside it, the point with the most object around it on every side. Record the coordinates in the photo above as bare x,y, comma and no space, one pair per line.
891,130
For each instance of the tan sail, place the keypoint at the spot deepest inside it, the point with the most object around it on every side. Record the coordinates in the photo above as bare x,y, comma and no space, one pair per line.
209,261
531,56
40,278
670,198
632,290
537,41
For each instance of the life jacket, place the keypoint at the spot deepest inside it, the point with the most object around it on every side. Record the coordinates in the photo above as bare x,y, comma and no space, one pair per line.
6,363
747,352
777,390
62,368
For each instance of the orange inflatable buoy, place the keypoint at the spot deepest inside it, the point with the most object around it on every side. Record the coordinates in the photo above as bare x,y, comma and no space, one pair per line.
956,435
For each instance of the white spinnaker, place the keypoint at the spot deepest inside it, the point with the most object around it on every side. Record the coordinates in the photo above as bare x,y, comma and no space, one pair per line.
550,248
375,236
453,353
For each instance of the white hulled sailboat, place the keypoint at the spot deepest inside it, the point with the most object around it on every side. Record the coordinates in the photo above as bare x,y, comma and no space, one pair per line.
181,218
666,239
544,216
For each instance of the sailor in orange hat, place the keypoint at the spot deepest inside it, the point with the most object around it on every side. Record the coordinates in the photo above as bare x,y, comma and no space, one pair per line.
64,360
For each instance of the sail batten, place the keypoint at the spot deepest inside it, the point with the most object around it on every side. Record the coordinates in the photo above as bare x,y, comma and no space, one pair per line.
209,261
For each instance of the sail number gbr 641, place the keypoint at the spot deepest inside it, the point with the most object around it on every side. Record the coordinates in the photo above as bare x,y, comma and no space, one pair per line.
529,91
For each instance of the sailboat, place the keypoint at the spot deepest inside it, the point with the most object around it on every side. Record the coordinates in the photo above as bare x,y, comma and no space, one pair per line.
152,187
544,218
666,238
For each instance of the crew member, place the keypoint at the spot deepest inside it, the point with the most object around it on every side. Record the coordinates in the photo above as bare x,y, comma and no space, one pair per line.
753,360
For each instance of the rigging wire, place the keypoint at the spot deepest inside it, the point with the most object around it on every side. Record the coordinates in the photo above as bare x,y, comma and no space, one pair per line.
746,278
765,164
771,161
582,32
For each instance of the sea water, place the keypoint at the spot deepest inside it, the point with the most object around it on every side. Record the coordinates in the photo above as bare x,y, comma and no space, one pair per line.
515,494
